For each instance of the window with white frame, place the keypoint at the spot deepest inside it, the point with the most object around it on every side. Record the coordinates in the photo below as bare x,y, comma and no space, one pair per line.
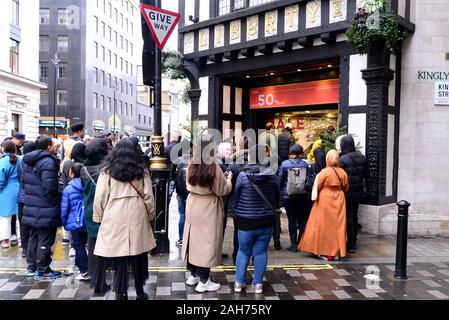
44,16
62,97
63,43
43,70
224,7
62,70
63,16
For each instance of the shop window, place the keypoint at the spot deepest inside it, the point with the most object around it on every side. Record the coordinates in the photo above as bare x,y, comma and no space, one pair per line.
238,101
226,99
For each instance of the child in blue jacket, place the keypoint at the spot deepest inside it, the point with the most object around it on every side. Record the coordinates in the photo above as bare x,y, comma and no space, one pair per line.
72,214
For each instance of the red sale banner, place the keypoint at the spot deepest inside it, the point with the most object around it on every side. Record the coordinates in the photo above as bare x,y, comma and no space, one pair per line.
295,94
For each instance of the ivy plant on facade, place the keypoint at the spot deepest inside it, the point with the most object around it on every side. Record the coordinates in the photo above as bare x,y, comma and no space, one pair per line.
373,25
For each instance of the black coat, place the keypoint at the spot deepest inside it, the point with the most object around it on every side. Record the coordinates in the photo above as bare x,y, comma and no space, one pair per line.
42,199
285,142
354,163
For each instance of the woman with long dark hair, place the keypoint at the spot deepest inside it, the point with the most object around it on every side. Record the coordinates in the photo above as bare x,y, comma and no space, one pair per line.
203,230
124,207
9,189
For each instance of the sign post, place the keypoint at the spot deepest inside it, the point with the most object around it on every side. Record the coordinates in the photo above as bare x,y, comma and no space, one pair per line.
161,24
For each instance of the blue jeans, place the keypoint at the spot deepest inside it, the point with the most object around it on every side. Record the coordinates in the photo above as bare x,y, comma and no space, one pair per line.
171,189
79,241
182,214
253,243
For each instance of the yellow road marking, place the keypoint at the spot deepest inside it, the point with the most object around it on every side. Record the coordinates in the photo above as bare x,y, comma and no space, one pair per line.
221,268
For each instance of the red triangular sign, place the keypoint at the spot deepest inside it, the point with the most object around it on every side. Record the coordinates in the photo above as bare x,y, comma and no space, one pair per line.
160,22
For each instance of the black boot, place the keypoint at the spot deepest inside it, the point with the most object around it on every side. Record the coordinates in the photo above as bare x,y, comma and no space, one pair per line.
277,244
293,245
142,297
121,296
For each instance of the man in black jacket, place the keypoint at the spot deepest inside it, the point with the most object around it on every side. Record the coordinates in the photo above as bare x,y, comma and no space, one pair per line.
354,163
42,211
285,141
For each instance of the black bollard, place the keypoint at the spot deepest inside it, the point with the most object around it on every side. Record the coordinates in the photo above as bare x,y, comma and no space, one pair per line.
400,271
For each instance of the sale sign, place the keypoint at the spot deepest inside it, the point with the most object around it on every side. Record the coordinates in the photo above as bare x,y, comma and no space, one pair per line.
295,94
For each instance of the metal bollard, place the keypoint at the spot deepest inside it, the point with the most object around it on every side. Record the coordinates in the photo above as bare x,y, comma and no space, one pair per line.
400,271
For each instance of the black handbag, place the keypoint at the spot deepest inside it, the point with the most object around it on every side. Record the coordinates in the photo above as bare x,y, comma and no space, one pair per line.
275,210
310,179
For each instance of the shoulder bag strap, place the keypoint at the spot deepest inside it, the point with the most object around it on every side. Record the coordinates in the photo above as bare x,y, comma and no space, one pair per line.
137,190
341,183
90,177
260,194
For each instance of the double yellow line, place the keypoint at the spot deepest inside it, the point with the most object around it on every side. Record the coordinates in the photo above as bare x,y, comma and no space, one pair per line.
303,267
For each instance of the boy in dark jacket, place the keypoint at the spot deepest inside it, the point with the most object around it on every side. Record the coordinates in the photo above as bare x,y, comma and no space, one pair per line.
42,212
72,215
354,163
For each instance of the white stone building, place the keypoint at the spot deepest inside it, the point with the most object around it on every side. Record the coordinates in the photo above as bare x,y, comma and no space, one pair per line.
19,61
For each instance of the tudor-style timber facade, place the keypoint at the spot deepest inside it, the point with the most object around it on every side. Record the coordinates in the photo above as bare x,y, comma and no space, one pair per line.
246,58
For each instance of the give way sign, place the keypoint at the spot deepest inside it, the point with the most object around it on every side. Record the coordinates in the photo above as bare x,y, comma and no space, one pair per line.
160,22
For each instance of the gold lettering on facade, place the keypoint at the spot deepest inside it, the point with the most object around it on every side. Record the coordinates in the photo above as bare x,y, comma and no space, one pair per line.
270,24
290,13
235,31
204,38
252,28
312,10
338,6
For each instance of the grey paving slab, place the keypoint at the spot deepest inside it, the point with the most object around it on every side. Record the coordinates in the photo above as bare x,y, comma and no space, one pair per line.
34,294
301,297
432,283
438,294
9,286
194,297
341,294
163,291
425,273
313,295
368,293
342,272
279,288
309,276
342,282
178,286
67,293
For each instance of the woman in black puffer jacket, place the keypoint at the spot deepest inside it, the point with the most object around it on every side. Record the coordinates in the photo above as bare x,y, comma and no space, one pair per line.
256,217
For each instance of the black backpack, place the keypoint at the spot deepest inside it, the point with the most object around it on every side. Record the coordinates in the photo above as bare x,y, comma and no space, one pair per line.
180,178
62,181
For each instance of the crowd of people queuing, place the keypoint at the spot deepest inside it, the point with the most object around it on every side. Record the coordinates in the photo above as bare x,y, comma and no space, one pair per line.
101,194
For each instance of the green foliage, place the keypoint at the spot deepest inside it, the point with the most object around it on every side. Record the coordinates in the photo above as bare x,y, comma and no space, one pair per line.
172,65
328,138
373,24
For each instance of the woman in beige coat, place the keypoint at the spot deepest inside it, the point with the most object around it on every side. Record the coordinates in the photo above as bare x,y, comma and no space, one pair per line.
124,207
325,234
203,230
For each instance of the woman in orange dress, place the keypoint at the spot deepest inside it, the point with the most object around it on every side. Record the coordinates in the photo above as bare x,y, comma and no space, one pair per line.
325,234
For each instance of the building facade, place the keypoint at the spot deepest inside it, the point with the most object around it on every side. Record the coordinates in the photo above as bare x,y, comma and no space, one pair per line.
253,61
19,81
96,77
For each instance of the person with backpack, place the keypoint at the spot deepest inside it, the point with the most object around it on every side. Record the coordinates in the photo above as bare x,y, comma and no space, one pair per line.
292,181
10,171
257,199
180,177
72,215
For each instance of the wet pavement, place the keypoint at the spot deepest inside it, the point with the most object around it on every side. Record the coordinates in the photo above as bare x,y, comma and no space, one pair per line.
368,274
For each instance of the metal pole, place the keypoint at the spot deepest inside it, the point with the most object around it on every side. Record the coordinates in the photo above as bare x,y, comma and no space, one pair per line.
400,271
55,62
157,89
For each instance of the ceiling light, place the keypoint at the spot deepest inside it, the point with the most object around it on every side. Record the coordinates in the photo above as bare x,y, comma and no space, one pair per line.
321,68
299,70
247,77
272,74
329,66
